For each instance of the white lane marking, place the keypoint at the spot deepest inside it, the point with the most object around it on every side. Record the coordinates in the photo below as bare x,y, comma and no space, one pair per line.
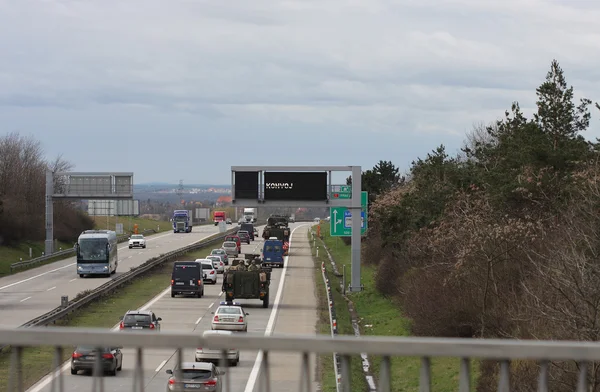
220,294
198,321
73,280
160,366
25,299
63,267
257,362
211,305
130,257
51,288
67,365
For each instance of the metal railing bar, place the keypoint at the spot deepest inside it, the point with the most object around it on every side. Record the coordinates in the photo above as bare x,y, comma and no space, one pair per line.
224,365
57,379
543,376
15,381
346,373
98,372
138,376
582,382
385,374
465,375
264,383
504,376
425,375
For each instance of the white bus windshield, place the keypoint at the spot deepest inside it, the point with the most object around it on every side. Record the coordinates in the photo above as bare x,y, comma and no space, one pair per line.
92,250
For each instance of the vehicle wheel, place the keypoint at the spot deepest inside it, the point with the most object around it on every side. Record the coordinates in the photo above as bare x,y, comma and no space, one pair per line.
120,366
266,302
233,363
172,295
130,247
197,360
144,247
113,372
73,371
81,275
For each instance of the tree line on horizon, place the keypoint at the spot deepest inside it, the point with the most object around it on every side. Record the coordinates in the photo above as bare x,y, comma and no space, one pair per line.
501,240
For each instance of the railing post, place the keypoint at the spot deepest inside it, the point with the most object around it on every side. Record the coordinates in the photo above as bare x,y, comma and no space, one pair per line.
346,374
57,379
98,385
504,377
265,378
138,376
425,380
15,381
385,373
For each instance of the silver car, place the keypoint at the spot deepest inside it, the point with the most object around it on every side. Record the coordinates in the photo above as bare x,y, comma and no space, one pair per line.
217,263
222,254
205,354
193,376
231,248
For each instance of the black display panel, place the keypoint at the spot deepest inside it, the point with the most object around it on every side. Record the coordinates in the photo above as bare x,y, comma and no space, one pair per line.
246,185
307,186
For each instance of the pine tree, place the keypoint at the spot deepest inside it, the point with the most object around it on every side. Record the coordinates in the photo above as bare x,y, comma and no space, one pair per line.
557,114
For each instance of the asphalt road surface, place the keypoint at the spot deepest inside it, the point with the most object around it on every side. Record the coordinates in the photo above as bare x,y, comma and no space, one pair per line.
29,294
293,309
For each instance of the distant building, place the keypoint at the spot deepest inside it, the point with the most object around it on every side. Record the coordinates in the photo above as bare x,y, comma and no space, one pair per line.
223,201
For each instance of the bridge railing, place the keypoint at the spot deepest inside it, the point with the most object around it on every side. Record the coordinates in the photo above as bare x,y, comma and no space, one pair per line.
504,351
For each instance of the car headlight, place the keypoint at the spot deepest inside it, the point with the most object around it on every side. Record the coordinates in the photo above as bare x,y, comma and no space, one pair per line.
106,267
80,268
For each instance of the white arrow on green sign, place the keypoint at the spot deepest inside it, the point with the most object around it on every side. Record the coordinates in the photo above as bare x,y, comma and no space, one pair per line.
340,215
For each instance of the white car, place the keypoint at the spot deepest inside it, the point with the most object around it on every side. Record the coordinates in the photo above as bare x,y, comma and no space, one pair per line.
229,316
205,354
217,263
208,270
137,241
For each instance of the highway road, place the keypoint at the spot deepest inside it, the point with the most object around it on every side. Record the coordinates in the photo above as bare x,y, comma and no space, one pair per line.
31,293
293,309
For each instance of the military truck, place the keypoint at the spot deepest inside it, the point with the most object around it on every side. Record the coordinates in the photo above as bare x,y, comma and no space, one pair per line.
247,279
277,227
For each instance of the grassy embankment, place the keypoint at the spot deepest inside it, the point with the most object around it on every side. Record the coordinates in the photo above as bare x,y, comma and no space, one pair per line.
379,316
37,361
10,254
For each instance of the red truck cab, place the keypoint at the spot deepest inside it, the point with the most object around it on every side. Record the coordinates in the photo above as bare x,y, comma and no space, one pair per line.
219,216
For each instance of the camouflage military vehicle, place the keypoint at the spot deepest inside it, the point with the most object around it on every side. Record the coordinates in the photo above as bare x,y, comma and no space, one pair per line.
247,279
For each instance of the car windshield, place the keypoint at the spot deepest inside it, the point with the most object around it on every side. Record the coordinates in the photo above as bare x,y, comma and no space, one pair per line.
186,271
87,349
137,237
195,374
230,245
207,266
218,252
229,310
214,258
136,318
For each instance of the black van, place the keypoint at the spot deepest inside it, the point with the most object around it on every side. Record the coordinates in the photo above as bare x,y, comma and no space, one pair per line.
249,227
187,279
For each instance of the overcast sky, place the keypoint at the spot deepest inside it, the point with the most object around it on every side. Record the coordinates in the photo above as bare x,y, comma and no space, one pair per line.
177,89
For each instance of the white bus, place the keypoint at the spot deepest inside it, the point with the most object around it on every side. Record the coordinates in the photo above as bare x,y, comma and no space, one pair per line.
97,253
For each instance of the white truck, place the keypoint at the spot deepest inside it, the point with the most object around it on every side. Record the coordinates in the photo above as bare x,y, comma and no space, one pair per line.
202,215
250,214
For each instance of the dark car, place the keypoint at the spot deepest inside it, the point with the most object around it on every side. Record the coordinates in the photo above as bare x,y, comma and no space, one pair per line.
140,320
248,228
198,376
244,236
187,278
84,358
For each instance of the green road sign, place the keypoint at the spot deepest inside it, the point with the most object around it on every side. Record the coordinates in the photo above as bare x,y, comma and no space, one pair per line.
341,219
346,188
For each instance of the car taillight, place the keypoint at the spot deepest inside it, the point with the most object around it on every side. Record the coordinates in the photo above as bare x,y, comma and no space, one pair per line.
121,325
212,272
172,381
241,319
200,282
172,281
108,356
77,355
221,263
211,382
152,326
216,318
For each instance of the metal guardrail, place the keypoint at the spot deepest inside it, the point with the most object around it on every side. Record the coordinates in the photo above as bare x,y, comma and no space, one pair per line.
66,252
505,351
